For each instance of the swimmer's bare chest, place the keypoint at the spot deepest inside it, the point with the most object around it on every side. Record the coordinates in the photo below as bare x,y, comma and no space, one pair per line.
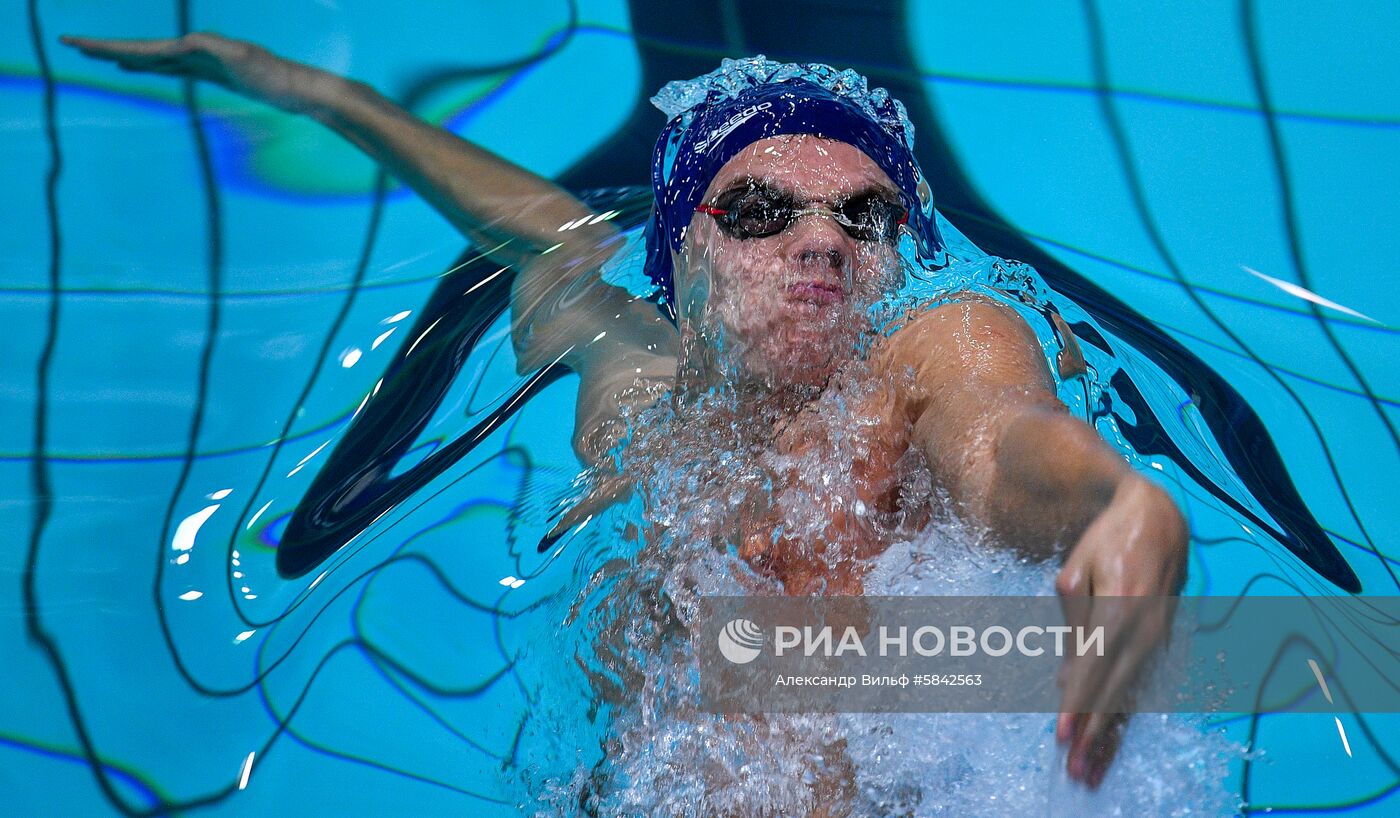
868,449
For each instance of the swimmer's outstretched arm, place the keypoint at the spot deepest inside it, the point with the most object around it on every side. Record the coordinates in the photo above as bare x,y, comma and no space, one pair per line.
561,311
1012,457
485,196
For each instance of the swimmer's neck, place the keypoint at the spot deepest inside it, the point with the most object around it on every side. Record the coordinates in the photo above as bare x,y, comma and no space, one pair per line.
754,399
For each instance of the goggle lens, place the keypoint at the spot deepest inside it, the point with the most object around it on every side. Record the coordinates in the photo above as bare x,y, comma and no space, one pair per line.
757,214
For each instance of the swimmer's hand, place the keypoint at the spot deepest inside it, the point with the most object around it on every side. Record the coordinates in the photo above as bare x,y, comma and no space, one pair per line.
237,65
1011,457
1135,547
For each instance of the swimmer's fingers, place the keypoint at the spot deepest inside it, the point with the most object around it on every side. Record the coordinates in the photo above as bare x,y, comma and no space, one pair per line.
142,56
1099,680
1085,679
1078,724
1093,730
1101,688
141,53
200,56
1073,586
1103,733
132,50
1133,630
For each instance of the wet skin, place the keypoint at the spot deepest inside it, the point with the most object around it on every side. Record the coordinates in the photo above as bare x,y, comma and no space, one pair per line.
788,308
968,384
791,302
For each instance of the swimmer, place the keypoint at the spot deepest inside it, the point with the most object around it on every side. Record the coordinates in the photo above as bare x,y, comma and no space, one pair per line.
781,193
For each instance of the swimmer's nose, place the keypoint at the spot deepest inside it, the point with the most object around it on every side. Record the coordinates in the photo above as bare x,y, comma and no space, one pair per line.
817,241
827,258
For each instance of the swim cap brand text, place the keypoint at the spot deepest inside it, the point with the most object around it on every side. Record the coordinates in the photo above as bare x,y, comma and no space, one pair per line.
718,134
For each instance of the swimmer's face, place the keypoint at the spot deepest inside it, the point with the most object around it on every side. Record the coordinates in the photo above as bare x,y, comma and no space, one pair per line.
788,307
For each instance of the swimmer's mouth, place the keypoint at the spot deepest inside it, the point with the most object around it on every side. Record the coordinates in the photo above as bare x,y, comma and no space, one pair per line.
816,292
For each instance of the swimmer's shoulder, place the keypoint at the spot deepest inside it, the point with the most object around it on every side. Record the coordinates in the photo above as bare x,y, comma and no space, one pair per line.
946,334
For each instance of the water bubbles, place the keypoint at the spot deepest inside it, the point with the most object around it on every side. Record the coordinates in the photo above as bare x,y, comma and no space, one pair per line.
742,495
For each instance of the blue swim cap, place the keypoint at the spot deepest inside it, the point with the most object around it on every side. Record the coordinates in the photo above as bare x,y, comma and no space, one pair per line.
716,116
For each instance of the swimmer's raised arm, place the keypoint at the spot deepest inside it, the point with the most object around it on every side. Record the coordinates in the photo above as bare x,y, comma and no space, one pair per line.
1011,457
486,197
561,310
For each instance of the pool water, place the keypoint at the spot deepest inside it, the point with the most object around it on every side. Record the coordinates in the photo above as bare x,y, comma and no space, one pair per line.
198,306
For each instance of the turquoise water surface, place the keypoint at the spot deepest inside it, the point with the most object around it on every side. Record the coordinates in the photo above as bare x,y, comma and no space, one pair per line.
200,293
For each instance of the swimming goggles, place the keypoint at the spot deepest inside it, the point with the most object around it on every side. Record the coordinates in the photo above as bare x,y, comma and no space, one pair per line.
754,214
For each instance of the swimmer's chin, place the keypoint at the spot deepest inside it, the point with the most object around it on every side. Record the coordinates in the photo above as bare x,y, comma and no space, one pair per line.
812,366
